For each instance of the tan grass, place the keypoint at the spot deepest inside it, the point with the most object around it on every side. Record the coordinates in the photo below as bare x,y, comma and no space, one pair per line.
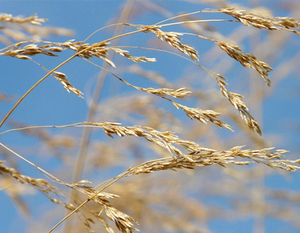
22,29
174,151
262,22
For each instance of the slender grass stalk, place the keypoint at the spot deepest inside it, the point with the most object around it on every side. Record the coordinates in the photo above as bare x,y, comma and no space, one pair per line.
157,142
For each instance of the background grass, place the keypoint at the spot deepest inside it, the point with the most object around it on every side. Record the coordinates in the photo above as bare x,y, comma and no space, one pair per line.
214,199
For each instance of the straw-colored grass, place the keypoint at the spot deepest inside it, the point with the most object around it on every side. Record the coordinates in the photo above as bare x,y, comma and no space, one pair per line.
160,142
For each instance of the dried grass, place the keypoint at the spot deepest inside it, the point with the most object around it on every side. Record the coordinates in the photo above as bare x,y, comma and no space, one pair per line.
174,153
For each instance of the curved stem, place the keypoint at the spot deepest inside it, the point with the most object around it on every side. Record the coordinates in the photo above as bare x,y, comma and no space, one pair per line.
92,196
98,30
34,86
39,168
60,65
198,21
181,15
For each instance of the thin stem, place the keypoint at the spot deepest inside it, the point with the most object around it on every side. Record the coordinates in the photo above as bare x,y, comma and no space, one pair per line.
69,215
183,15
60,65
98,30
24,42
107,40
6,187
92,196
79,124
198,21
211,73
34,165
122,35
34,86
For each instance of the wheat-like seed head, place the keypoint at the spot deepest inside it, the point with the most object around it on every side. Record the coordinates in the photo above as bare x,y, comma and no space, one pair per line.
262,22
177,153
